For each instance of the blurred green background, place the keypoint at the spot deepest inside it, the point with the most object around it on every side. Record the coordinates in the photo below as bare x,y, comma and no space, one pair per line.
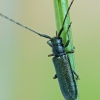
26,71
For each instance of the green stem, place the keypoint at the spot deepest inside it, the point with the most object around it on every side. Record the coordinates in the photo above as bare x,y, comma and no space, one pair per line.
60,7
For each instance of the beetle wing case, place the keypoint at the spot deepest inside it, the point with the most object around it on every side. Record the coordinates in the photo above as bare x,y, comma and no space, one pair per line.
65,77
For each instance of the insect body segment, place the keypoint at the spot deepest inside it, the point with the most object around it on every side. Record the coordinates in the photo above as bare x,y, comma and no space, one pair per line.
65,76
61,61
57,47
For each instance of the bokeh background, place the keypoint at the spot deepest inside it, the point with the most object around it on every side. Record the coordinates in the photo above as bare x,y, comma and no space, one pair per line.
25,70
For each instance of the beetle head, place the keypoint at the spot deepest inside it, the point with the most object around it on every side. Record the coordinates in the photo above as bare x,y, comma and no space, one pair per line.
56,40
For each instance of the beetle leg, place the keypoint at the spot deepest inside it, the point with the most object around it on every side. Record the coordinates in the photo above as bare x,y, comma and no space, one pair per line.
55,76
72,51
67,43
60,31
50,55
77,76
49,43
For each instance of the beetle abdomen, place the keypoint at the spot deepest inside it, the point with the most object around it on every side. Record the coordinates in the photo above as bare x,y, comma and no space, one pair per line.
65,77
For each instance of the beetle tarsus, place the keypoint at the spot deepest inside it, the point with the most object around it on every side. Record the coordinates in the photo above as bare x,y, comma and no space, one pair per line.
72,51
55,76
77,76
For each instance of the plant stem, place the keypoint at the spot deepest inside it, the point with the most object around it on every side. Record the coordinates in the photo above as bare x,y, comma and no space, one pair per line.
60,7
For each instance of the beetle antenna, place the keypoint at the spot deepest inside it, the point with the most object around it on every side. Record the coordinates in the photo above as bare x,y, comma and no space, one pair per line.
67,12
65,19
42,35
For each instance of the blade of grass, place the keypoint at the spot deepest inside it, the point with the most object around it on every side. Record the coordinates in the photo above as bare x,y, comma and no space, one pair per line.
60,7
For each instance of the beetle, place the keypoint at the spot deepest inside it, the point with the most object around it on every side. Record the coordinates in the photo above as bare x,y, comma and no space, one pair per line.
63,68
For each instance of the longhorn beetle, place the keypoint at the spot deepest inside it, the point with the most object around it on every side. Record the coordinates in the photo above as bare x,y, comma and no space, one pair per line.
61,61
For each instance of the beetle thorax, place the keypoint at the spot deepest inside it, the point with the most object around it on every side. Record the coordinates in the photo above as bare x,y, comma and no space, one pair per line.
57,46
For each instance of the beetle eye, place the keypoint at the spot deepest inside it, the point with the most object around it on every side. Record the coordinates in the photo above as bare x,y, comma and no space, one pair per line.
49,43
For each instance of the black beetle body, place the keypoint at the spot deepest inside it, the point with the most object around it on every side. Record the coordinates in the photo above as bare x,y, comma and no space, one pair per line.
65,77
62,65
